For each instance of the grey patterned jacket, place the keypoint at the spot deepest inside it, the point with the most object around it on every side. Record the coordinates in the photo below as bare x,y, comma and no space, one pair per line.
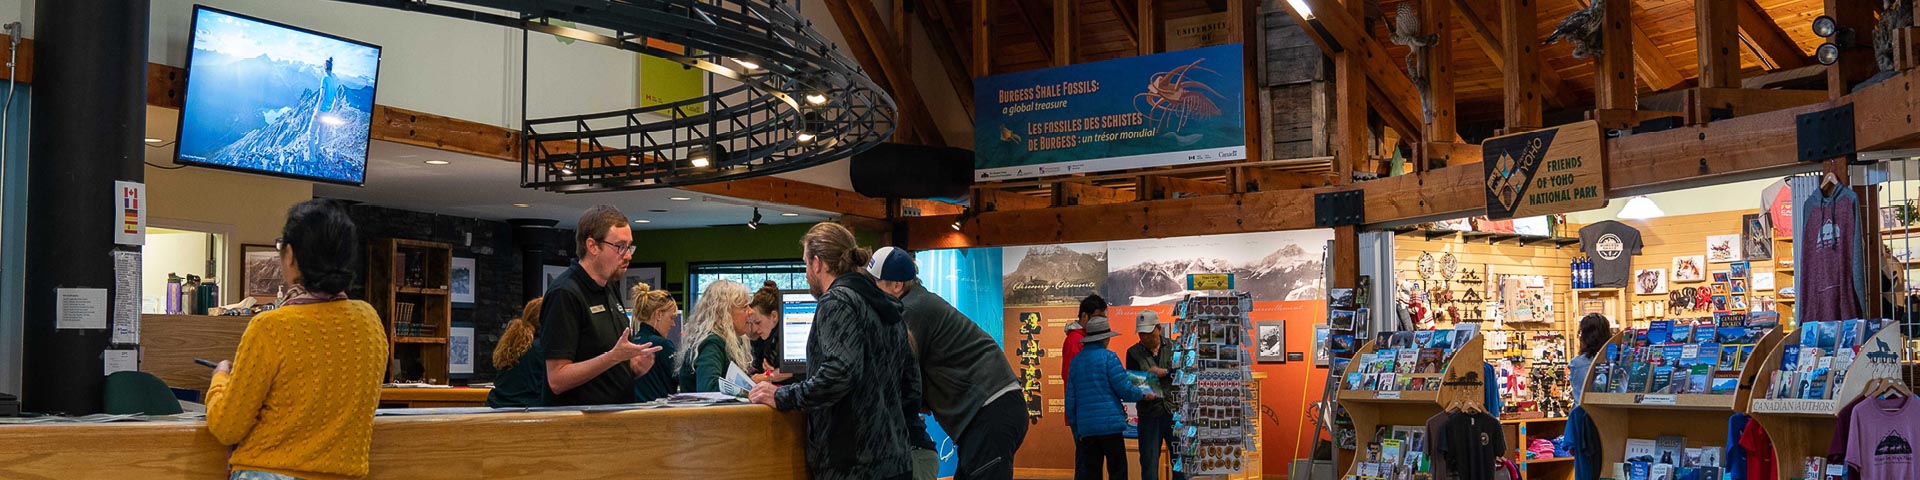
859,367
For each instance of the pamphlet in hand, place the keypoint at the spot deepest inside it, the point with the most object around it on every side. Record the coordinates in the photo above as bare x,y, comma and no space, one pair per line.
737,383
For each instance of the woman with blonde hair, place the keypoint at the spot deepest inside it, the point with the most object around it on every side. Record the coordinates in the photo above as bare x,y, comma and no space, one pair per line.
716,334
653,314
523,372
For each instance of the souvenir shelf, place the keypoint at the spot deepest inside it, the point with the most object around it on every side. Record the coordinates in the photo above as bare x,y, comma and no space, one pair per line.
407,285
1612,303
1701,418
1522,431
1802,428
1460,382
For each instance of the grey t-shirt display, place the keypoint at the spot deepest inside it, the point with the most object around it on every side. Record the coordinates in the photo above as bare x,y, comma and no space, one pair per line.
1611,245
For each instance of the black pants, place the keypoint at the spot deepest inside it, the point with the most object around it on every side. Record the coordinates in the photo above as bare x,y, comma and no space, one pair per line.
1156,431
990,440
1090,452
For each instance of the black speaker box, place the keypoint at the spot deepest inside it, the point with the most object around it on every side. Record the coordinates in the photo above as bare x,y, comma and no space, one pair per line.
893,170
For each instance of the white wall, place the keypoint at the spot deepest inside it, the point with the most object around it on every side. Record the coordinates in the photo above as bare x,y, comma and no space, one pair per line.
177,252
458,68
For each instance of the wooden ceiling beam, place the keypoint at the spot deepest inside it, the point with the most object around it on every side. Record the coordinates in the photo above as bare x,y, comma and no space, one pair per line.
1150,38
1519,27
1045,37
1409,128
1717,36
872,44
1437,21
1264,180
982,18
1067,194
1066,32
1372,59
1652,66
1127,21
996,200
1160,187
1475,16
1613,72
935,19
1856,61
797,193
1762,35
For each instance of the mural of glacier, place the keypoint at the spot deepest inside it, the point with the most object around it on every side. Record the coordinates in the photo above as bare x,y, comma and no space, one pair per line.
267,98
1272,266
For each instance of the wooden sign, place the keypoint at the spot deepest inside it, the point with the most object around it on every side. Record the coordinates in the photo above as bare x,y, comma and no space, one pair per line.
1546,171
1197,31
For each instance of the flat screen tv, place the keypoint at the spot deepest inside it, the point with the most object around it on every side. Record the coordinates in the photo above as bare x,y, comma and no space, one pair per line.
275,99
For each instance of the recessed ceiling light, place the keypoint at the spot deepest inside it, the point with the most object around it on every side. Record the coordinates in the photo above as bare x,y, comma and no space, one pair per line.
437,162
789,214
658,210
642,221
522,205
680,199
154,140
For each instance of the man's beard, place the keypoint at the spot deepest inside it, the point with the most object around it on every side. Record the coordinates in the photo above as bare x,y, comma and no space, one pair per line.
814,287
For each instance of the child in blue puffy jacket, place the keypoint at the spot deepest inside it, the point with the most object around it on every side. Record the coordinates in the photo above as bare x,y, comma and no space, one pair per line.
1095,389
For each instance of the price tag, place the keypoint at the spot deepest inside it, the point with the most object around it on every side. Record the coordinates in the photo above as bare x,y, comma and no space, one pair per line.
1387,395
1655,400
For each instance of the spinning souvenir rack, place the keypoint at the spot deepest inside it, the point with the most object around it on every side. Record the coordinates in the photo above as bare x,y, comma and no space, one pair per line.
1804,427
1217,420
1459,386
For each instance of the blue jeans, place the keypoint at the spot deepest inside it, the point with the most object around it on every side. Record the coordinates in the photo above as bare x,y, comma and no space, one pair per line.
1154,432
257,475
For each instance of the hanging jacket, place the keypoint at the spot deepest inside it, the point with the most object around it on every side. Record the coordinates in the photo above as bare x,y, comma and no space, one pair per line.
859,370
1584,444
1095,391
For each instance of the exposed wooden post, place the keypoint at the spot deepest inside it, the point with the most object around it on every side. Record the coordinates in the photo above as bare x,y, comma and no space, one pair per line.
1437,17
1856,61
1080,193
1066,31
1776,50
1520,34
1350,109
1647,59
1478,18
1151,23
1240,28
982,38
1717,30
1613,78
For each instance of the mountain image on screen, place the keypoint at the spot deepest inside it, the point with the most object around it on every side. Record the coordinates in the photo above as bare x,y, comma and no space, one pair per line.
1052,274
268,98
1289,273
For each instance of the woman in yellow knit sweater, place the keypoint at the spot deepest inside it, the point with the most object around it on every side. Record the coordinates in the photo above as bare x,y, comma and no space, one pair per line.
297,401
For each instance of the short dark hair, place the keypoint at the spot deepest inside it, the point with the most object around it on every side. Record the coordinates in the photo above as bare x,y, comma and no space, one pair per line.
1093,303
324,242
1594,333
594,224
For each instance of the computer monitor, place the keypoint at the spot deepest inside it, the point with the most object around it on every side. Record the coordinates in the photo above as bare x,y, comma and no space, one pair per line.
796,323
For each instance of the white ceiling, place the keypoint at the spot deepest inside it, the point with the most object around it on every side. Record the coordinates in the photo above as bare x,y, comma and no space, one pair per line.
479,187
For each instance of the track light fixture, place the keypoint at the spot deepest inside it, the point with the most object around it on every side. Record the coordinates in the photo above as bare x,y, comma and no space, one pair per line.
755,223
1838,38
703,156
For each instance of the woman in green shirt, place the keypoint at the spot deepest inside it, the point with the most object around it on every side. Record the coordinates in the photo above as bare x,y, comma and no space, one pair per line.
713,339
522,366
653,314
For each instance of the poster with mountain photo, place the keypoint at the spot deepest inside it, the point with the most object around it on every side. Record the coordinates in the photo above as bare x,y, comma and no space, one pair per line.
1270,266
1053,274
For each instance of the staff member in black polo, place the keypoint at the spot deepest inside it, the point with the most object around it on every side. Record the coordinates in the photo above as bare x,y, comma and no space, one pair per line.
585,328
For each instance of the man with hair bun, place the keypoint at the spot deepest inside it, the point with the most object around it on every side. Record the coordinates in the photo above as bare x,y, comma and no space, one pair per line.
859,367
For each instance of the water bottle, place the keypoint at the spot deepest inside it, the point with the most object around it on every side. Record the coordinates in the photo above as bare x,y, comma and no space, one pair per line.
173,294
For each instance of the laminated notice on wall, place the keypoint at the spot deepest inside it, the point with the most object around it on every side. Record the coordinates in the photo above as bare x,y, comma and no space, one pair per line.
126,297
120,361
81,308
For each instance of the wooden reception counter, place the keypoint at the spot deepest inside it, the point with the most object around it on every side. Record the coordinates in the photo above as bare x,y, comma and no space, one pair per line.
735,441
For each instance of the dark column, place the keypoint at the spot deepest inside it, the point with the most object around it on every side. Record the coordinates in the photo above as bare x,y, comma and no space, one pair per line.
89,116
538,240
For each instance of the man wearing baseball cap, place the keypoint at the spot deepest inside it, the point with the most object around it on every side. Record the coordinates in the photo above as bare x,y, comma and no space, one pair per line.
965,379
1151,355
1094,392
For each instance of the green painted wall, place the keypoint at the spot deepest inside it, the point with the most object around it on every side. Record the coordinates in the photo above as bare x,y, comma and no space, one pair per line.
677,248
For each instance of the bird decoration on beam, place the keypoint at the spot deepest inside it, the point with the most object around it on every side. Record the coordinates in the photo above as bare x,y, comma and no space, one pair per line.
1406,32
1897,14
1582,27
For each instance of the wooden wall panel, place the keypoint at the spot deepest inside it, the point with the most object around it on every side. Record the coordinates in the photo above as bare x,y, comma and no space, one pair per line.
1664,238
1495,259
169,343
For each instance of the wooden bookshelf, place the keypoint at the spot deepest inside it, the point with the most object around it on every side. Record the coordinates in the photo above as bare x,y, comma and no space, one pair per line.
1370,409
407,284
1520,432
1701,418
1802,428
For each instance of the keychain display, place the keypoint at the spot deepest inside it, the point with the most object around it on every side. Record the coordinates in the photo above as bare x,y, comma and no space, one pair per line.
1214,426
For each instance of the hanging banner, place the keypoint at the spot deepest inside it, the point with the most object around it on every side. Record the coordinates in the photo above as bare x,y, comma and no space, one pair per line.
1545,172
1166,109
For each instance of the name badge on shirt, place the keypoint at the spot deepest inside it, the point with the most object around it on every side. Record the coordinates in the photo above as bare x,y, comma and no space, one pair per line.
597,309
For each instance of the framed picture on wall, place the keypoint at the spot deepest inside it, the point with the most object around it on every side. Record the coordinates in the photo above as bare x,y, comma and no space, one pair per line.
653,274
460,350
1320,353
1272,338
260,272
1689,268
460,285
